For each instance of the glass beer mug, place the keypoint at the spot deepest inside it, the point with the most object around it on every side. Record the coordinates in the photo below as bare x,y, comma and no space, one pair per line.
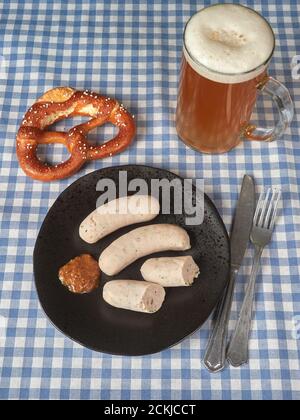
226,52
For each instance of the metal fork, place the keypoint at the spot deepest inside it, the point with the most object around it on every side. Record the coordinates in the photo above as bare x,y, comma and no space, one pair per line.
263,225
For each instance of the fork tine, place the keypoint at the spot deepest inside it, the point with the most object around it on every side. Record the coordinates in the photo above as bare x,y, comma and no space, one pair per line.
258,207
264,209
272,201
272,222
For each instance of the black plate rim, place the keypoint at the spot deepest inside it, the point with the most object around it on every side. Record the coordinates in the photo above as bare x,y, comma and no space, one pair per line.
123,167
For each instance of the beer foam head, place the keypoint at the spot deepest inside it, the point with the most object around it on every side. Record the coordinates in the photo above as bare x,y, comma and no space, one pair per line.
228,43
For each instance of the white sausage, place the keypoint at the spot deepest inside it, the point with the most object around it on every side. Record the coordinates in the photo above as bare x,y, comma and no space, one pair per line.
116,214
170,271
134,295
140,242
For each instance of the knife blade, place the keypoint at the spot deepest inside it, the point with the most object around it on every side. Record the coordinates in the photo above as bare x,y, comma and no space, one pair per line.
242,222
214,358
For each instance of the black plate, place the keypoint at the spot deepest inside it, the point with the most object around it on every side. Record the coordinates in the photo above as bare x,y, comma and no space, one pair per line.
90,321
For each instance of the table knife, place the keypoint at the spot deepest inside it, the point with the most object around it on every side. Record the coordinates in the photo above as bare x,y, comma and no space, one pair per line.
214,358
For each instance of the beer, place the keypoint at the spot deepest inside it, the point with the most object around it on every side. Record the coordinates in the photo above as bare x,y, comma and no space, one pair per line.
226,52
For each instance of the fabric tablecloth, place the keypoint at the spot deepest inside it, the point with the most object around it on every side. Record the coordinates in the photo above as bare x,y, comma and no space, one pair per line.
131,50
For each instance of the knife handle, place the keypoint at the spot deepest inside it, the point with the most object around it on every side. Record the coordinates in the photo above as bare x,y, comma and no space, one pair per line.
237,353
215,355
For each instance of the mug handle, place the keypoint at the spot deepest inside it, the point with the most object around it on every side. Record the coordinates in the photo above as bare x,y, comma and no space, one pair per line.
283,101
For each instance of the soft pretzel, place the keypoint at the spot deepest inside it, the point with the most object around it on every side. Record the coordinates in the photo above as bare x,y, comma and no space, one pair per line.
65,102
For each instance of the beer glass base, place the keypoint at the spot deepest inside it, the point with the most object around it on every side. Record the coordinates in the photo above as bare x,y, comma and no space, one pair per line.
207,150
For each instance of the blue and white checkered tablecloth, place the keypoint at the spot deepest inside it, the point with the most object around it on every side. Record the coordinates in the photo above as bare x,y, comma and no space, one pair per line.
131,50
